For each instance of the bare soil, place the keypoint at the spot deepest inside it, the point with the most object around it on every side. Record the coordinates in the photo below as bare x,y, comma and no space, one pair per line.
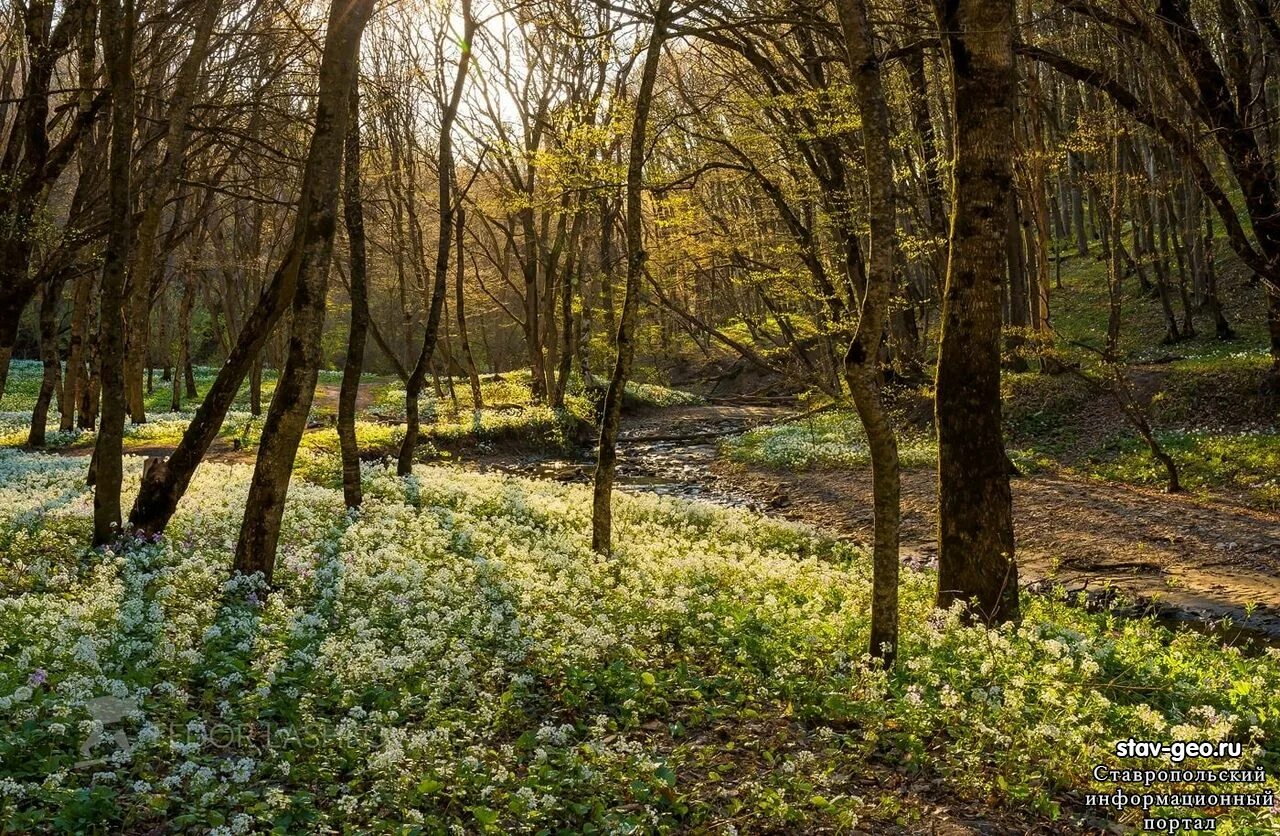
1207,558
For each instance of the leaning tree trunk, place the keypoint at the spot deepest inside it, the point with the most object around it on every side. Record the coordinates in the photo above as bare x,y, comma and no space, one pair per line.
975,510
353,211
164,485
295,389
413,386
118,27
862,359
607,461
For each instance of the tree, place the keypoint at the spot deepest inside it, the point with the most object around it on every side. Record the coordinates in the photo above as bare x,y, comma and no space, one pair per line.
309,243
447,207
311,254
975,508
863,357
119,26
611,419
353,214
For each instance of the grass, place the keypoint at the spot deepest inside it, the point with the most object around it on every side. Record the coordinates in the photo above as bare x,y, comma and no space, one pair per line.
1203,396
456,657
1247,464
827,440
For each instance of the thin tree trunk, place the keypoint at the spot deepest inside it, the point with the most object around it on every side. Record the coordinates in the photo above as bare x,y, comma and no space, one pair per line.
477,400
76,378
606,463
975,509
862,359
353,207
413,386
184,345
49,295
143,262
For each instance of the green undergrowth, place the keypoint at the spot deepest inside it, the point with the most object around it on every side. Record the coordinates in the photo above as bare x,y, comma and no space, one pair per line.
826,440
1247,464
455,656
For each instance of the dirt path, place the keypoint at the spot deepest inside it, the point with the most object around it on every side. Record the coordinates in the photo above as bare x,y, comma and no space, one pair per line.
1202,557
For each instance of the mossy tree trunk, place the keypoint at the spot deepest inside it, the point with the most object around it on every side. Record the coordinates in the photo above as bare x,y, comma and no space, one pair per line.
861,363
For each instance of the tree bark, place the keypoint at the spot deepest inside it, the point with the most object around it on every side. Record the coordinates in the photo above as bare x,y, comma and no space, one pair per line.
295,388
353,212
469,360
413,386
975,510
607,462
119,23
49,295
861,361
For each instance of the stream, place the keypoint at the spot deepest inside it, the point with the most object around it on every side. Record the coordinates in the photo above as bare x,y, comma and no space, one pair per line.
651,459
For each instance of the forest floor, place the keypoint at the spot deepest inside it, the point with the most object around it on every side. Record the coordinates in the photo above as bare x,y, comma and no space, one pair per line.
1191,558
1184,557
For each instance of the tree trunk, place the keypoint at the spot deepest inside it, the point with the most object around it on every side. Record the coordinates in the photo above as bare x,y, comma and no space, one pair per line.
607,463
76,377
975,509
118,26
473,377
49,295
861,360
295,388
183,360
143,263
353,211
308,252
413,386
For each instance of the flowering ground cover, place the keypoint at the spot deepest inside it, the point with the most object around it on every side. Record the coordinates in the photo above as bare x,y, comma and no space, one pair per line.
454,656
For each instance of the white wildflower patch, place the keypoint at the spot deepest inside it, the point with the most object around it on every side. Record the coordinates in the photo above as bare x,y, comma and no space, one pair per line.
454,657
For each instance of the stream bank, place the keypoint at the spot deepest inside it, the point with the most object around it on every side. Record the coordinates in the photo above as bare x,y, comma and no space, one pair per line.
1206,564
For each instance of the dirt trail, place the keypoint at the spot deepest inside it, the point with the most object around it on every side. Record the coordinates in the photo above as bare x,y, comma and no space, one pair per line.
1204,557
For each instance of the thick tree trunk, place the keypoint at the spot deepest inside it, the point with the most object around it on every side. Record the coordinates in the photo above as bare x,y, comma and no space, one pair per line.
295,389
607,462
861,361
119,25
975,510
353,213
